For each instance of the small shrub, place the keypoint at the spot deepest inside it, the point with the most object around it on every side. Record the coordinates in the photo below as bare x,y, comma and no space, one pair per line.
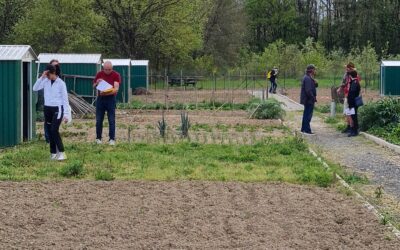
355,178
379,114
103,175
323,108
74,169
270,109
331,120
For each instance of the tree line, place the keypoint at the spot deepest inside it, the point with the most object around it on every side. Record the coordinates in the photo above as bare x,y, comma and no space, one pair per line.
207,35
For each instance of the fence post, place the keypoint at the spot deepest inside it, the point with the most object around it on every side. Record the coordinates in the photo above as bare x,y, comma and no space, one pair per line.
246,80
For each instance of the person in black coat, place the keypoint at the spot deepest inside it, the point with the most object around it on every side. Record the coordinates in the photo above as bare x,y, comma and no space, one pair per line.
308,97
354,92
272,79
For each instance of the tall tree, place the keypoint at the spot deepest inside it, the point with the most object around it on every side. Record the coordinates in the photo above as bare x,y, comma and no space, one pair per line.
225,32
165,31
270,20
10,13
59,26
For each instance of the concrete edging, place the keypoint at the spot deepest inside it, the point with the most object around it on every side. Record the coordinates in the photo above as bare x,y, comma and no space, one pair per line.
381,142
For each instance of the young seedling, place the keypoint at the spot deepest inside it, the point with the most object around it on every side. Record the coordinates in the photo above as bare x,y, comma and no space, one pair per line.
379,192
185,125
162,126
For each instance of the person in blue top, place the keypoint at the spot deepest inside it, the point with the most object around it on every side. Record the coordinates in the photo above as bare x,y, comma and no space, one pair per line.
308,97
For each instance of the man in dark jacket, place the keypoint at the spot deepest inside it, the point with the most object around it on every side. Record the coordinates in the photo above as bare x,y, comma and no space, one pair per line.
308,98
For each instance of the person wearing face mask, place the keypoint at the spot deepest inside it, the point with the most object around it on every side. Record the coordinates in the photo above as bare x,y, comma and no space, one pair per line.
56,108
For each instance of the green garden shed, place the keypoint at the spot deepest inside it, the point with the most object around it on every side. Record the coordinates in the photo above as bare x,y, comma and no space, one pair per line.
78,70
390,78
139,74
123,67
17,109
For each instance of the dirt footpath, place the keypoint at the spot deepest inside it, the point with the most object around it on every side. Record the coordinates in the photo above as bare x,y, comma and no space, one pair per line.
184,215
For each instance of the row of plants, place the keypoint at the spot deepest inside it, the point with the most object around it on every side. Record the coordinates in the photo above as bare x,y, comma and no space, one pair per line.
136,104
268,109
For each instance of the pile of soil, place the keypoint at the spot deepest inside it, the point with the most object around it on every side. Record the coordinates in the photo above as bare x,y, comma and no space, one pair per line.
189,215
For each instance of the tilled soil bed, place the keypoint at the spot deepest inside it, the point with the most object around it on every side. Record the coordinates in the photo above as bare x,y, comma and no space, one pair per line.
324,95
184,215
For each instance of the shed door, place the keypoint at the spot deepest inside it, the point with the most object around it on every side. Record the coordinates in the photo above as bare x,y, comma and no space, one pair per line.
26,101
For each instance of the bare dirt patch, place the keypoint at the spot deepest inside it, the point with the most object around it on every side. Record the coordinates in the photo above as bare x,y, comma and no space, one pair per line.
192,95
184,215
324,95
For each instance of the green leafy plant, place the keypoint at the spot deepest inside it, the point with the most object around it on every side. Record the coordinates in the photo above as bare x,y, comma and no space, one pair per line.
103,175
323,108
74,169
270,109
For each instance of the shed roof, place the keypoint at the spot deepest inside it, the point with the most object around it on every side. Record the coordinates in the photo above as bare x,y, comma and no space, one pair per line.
391,63
140,62
70,58
16,52
119,62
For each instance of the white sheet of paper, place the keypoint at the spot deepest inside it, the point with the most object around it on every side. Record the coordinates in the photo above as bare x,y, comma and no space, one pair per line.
103,86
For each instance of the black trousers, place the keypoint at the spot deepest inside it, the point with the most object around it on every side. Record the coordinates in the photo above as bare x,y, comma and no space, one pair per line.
53,117
355,119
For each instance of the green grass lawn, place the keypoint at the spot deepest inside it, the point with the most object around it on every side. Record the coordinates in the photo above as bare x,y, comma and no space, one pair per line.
285,160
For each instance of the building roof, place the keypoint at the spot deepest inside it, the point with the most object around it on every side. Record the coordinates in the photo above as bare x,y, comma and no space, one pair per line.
70,58
140,62
391,63
119,62
16,52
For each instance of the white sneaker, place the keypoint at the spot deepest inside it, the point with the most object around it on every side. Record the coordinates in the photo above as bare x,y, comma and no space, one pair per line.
61,156
111,142
98,141
53,157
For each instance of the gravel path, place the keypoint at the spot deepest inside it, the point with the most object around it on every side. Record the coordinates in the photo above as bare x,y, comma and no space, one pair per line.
380,164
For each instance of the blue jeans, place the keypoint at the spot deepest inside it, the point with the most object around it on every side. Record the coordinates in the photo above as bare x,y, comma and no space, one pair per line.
307,116
273,87
103,104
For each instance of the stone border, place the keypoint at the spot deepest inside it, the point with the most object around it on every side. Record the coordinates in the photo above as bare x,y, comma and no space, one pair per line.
381,142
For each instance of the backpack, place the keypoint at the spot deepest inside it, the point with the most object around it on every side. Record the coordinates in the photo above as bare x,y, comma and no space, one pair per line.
269,74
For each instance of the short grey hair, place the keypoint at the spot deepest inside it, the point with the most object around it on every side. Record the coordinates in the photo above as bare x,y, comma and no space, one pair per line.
107,63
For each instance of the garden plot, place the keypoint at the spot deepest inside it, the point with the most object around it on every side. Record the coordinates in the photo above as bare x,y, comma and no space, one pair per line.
184,215
195,96
324,95
206,127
